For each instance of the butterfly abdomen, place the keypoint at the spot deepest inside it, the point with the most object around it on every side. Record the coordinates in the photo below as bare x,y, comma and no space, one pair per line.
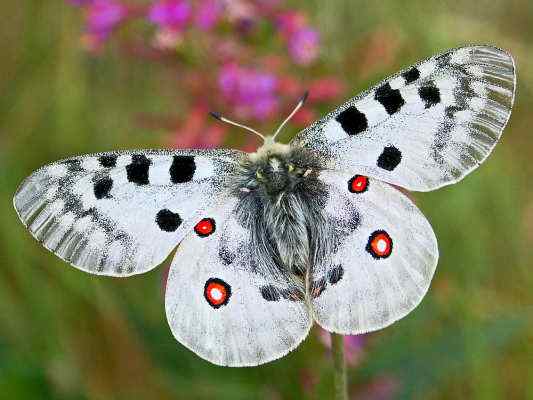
282,189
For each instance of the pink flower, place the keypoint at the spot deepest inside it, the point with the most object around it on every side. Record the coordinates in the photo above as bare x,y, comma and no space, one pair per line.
173,14
290,22
251,92
103,16
303,46
208,14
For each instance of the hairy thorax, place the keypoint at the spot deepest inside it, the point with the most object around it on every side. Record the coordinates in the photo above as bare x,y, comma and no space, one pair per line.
282,202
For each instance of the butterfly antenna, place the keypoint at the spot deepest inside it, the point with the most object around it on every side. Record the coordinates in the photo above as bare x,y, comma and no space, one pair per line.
298,106
228,121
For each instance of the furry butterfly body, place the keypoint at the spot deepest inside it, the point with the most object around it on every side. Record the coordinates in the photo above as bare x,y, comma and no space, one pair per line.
273,241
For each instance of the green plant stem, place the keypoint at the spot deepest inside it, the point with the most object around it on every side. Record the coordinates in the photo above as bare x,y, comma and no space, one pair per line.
339,366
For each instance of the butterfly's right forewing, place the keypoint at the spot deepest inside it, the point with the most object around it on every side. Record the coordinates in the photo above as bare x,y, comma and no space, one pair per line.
425,127
121,213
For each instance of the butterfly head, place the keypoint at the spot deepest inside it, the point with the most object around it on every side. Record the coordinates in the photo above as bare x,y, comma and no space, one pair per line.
278,168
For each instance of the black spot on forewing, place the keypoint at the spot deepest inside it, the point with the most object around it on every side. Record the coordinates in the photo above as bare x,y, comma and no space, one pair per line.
270,293
335,274
182,169
389,158
73,165
430,94
411,75
108,160
138,169
389,98
102,187
167,220
352,121
444,59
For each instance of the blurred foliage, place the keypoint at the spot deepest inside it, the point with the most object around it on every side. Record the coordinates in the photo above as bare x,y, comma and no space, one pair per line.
67,335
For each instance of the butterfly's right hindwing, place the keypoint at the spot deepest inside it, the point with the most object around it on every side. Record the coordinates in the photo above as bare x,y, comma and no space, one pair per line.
121,213
224,304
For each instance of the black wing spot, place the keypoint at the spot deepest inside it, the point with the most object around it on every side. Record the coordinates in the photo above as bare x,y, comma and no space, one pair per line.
270,293
73,165
167,220
226,256
335,274
430,95
389,98
352,121
102,187
412,75
108,160
182,169
138,169
389,158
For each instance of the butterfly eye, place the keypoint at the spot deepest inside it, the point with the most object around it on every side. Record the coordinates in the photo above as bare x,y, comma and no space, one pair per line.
290,167
259,174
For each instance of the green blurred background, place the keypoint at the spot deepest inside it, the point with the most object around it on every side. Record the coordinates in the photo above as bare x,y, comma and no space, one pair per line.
68,335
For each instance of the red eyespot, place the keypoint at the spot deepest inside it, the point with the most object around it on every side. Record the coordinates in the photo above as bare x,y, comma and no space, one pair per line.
358,184
205,227
379,244
217,292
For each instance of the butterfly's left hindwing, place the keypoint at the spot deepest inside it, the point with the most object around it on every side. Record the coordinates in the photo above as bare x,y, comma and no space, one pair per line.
223,304
425,127
383,256
121,213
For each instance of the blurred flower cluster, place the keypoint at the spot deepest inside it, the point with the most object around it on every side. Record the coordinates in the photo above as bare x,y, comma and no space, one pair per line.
248,60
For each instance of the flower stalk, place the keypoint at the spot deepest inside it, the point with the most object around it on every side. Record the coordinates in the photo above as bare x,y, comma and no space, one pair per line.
339,366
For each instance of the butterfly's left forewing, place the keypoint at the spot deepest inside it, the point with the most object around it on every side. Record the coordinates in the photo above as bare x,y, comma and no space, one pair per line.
383,256
223,304
121,213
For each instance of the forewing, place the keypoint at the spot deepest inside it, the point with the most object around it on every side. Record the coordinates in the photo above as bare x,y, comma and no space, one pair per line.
121,213
384,254
223,305
425,127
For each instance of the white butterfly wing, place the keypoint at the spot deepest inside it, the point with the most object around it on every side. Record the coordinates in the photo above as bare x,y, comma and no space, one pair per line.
120,213
383,258
425,127
223,306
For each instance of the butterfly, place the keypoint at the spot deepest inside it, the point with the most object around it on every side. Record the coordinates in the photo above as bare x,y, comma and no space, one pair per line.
267,243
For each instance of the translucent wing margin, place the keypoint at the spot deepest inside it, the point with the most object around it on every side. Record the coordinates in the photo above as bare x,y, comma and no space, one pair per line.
384,255
121,213
425,127
223,305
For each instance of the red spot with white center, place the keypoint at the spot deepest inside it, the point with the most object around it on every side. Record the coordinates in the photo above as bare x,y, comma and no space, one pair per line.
217,292
205,227
379,244
358,184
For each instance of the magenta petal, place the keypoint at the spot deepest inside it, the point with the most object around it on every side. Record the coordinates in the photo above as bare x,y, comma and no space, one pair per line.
303,46
170,13
208,14
104,15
